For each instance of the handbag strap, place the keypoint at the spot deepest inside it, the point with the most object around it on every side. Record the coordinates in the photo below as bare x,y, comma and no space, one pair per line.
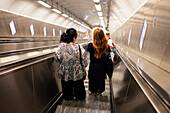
81,58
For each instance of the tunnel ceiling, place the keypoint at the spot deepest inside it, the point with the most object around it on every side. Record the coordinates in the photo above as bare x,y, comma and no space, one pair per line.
82,10
120,11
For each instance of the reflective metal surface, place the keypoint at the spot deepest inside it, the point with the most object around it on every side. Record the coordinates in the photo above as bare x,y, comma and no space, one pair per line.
29,89
16,93
129,98
154,56
44,84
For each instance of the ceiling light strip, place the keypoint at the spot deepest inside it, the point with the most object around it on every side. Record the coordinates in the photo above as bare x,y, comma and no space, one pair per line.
98,7
44,4
59,12
96,1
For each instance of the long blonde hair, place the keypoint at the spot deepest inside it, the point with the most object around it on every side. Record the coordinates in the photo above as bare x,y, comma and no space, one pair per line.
100,43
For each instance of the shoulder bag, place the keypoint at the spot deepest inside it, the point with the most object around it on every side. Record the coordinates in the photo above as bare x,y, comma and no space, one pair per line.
84,71
109,65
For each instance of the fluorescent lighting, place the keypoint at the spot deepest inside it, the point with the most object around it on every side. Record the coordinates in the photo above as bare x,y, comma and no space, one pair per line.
85,18
44,4
98,7
76,21
12,26
100,13
57,11
65,15
102,21
96,1
53,32
71,18
101,18
60,32
45,32
102,24
32,29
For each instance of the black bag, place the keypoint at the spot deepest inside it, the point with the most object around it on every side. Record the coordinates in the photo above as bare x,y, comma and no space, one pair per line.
84,71
109,66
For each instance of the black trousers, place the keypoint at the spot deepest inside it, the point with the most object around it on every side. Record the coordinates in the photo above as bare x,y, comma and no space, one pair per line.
73,89
96,85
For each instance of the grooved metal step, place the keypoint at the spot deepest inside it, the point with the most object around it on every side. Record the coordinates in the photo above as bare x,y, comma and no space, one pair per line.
88,104
92,104
70,109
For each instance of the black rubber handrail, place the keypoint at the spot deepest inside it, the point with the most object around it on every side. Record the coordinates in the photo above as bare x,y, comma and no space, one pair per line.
112,100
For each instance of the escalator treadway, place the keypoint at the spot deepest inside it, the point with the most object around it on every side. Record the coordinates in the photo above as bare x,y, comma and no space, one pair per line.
92,103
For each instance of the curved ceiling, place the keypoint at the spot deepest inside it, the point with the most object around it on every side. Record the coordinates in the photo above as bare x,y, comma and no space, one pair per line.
120,11
115,12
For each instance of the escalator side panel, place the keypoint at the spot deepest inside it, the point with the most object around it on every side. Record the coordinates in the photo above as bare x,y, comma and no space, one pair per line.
30,89
129,98
16,93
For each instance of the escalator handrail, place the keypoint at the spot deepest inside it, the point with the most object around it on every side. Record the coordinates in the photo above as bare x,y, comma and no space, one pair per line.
158,104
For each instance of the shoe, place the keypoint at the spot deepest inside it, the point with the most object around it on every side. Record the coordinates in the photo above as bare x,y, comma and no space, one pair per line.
90,93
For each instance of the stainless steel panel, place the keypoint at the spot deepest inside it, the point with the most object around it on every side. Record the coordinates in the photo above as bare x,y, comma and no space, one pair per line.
16,93
44,83
7,18
3,30
155,45
165,64
154,57
120,80
23,39
129,98
30,89
23,26
163,22
135,37
8,47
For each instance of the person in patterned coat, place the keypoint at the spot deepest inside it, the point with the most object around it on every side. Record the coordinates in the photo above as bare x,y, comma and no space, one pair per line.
70,70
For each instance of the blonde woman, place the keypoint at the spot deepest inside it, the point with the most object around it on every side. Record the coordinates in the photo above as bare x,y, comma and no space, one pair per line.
99,53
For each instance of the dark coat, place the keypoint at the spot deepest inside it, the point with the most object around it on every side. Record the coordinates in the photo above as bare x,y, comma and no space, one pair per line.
97,72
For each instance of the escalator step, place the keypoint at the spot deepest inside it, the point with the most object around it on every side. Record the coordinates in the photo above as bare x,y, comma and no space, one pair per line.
70,109
88,104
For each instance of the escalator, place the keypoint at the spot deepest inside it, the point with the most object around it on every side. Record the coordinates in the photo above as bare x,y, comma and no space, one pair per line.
126,92
30,83
92,104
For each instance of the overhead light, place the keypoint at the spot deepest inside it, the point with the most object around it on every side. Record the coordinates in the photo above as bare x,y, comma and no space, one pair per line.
102,21
65,15
57,11
96,1
79,23
98,7
101,18
44,4
100,13
85,18
76,21
71,18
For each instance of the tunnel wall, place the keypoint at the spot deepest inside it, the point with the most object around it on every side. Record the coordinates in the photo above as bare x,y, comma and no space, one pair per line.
156,41
32,9
144,40
127,93
29,89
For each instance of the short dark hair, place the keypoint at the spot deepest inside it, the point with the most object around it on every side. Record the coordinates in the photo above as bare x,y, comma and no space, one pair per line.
69,35
63,38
